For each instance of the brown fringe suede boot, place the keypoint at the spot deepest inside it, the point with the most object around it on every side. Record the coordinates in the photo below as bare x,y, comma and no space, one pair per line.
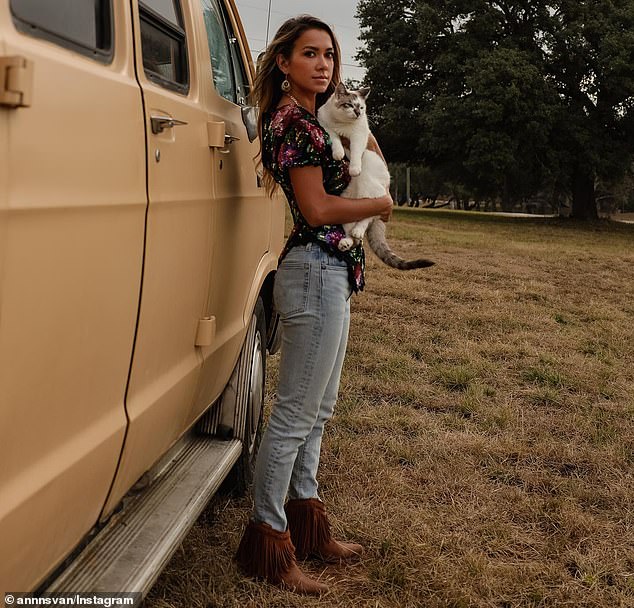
269,554
310,533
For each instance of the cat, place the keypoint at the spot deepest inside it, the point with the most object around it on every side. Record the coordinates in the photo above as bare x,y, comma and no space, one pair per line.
343,115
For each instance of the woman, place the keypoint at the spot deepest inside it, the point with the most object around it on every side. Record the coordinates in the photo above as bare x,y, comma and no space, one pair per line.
297,73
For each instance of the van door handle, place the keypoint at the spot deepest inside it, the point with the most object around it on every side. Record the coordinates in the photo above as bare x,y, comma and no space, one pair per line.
229,139
160,123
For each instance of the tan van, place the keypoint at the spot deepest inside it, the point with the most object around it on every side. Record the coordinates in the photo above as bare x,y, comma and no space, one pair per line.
137,254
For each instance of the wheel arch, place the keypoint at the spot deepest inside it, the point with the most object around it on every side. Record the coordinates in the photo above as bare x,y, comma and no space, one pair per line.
263,288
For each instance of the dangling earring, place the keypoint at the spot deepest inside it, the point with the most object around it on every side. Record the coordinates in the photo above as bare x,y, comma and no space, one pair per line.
286,85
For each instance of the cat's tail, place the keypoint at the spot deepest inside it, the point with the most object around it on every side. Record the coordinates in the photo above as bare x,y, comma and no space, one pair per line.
378,243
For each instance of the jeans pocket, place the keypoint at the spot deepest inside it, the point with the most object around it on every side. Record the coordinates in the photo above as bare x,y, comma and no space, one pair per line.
292,284
337,279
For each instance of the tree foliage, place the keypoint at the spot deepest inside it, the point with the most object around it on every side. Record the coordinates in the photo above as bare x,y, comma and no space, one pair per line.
507,97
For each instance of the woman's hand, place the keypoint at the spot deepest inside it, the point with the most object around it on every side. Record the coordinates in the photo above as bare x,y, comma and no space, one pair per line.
374,146
386,209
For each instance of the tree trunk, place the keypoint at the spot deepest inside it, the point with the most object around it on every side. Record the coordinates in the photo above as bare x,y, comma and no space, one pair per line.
584,204
506,202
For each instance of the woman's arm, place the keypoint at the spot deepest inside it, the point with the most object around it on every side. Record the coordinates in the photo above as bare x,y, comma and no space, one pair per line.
319,208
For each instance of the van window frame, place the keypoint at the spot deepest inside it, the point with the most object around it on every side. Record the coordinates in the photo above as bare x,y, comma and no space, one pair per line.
102,55
174,31
240,71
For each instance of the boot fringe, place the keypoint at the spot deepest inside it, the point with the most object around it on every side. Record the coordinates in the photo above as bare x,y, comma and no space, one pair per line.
308,525
265,553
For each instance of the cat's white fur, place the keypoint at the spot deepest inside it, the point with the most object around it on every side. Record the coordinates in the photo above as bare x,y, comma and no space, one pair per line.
373,182
343,115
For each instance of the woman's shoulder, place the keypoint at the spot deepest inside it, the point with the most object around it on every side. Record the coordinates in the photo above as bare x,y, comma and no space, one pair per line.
294,138
294,119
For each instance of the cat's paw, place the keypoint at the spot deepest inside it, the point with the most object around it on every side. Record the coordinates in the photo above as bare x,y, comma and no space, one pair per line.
354,170
345,243
357,233
337,151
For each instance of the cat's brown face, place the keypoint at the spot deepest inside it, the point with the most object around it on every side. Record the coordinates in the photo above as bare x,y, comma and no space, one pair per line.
349,104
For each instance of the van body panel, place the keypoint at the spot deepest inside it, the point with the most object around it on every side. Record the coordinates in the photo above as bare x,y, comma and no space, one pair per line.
4,180
72,213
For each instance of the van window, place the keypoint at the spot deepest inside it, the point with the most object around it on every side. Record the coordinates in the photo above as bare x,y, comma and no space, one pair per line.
164,44
84,26
229,74
242,84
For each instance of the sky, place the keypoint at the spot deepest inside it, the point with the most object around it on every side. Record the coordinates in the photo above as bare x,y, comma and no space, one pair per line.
339,14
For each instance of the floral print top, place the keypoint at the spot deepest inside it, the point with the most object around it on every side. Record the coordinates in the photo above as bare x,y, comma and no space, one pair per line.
292,137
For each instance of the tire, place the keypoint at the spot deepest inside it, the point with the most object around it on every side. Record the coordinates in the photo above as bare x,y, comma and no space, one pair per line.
251,375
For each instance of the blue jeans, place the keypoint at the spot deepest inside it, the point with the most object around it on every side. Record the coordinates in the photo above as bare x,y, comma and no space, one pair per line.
312,295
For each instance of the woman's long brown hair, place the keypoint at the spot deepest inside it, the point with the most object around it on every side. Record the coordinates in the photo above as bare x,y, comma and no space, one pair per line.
267,92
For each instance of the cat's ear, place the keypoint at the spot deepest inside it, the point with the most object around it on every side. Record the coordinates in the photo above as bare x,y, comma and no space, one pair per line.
341,89
364,92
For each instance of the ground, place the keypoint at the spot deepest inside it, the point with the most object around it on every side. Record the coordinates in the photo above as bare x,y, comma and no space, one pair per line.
483,445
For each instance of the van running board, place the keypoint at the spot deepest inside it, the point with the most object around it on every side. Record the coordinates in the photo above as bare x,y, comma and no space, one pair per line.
129,553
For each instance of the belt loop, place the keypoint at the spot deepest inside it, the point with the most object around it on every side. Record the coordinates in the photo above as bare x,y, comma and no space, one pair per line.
309,246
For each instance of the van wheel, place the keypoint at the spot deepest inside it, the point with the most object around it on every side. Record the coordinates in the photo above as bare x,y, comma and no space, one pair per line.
251,369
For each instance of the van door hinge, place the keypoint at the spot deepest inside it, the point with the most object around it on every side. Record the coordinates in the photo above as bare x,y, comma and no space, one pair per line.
206,331
16,82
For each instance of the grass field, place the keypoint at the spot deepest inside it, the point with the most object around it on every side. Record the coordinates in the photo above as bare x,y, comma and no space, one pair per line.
483,445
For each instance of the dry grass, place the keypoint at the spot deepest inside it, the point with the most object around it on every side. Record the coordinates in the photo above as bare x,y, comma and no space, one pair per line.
483,446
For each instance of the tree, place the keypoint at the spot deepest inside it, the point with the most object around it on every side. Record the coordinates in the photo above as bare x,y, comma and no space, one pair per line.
507,97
